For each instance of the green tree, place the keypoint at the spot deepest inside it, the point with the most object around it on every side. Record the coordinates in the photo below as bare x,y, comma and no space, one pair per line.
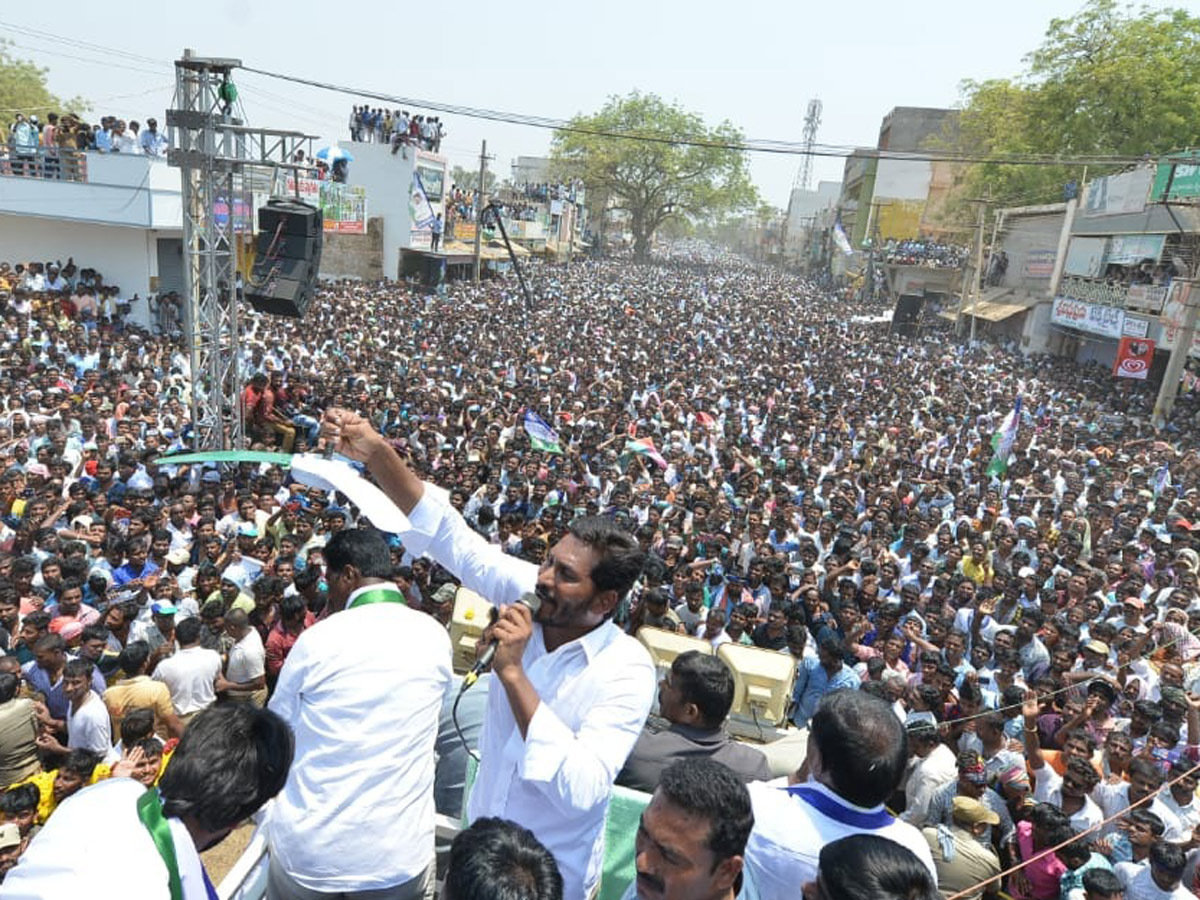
468,180
1109,81
655,178
23,88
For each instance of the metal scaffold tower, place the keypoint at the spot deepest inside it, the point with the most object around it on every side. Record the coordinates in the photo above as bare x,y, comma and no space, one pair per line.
217,156
812,121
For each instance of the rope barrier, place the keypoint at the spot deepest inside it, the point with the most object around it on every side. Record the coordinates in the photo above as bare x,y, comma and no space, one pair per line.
1149,798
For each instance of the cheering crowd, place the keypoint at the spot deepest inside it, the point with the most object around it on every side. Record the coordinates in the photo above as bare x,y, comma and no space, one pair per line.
994,624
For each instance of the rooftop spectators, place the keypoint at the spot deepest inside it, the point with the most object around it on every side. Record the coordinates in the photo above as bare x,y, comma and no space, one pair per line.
925,253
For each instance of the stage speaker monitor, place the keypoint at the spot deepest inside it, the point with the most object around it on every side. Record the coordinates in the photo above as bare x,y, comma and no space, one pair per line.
287,258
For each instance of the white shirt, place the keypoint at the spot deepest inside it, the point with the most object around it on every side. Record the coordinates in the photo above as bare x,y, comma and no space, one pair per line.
596,692
936,770
247,658
119,851
89,727
1047,788
189,675
1114,798
362,691
1139,884
790,830
1188,816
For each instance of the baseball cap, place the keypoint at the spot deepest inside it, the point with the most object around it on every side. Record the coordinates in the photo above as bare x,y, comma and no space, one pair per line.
246,529
446,593
968,811
1097,647
163,609
1135,602
10,835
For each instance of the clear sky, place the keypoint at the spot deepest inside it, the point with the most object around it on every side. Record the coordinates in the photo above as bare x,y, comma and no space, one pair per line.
755,63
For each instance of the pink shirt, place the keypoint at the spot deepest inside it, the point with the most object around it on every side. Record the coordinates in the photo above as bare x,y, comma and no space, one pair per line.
1044,875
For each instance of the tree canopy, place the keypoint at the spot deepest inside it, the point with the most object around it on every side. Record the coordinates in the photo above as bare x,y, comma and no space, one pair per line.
467,180
654,178
23,89
1110,80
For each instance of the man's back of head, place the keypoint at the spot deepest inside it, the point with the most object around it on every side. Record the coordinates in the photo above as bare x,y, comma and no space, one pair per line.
857,747
499,860
703,688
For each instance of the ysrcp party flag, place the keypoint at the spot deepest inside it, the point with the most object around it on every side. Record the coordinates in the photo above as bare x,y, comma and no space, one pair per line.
1161,478
419,208
839,238
541,435
1002,441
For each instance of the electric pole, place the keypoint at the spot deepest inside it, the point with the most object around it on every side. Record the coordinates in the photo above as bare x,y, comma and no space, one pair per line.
480,203
1169,389
978,267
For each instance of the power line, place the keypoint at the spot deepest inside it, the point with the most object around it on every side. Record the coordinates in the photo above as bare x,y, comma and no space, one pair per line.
115,64
771,146
749,145
85,45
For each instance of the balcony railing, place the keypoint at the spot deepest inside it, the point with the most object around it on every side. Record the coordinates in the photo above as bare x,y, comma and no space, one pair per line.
1142,297
52,163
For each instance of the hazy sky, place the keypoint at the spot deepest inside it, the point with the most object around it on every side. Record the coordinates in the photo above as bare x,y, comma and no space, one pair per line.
754,63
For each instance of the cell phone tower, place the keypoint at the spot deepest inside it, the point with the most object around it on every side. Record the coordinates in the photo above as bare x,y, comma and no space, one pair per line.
812,121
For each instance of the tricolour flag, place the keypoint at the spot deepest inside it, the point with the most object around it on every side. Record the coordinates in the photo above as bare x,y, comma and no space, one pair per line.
541,435
1002,441
645,447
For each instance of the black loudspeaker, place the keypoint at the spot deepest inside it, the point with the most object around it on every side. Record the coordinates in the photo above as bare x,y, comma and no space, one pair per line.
287,258
906,316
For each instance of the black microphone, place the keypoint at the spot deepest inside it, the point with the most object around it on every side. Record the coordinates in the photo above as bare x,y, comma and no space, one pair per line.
529,599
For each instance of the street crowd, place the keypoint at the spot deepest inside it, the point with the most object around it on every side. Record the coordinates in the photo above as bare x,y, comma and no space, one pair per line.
998,550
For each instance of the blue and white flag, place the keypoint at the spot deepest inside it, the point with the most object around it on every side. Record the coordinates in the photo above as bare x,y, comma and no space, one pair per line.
541,435
839,238
1160,480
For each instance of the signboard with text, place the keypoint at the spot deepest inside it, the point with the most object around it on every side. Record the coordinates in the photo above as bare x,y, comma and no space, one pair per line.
1184,182
1106,321
1040,263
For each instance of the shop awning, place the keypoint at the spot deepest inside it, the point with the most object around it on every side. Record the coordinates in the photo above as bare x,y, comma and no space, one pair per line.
995,305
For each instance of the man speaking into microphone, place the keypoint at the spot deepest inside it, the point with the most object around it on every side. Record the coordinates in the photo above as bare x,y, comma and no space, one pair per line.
570,690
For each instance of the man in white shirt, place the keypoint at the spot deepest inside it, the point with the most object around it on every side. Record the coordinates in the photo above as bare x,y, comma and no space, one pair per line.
363,690
571,691
1161,879
1180,797
936,766
190,673
230,762
1145,778
88,723
245,678
857,752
